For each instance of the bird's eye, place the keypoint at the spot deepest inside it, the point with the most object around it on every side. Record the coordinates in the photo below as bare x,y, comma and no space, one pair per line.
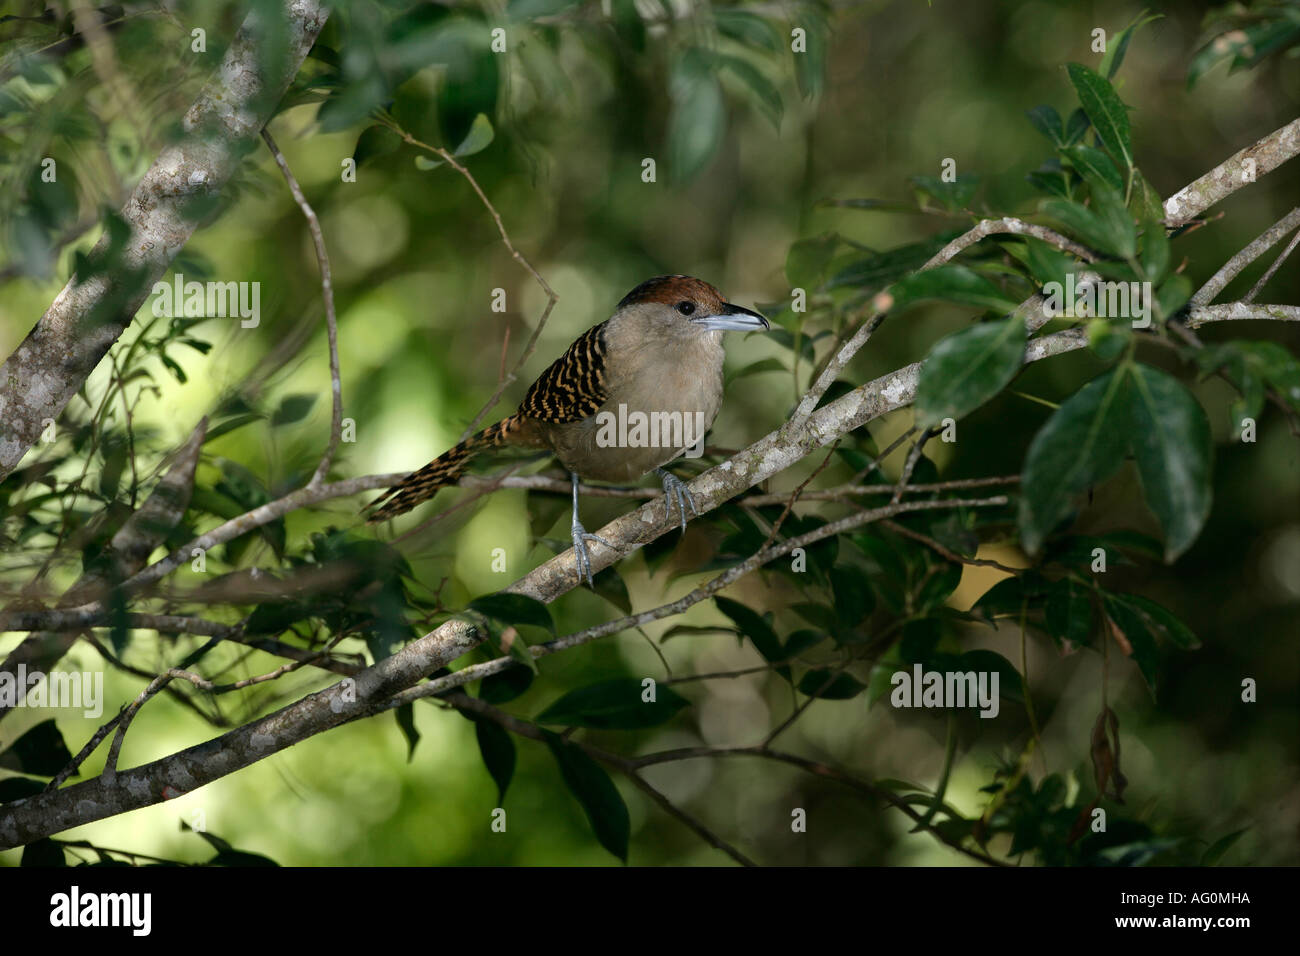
685,308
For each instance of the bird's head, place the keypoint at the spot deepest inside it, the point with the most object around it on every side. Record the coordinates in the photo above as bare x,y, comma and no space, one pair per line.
686,304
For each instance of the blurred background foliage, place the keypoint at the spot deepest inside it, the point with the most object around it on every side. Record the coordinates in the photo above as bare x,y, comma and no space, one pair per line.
763,160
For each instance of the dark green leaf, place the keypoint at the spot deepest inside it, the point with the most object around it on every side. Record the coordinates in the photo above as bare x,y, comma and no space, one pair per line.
375,141
405,715
1093,164
1069,613
966,369
1081,444
753,626
505,686
1118,45
294,408
40,751
597,794
1220,847
1048,122
1170,437
498,752
43,853
697,119
1105,110
820,683
616,704
517,609
951,283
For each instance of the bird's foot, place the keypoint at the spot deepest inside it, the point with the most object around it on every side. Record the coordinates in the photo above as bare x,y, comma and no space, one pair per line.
675,490
580,556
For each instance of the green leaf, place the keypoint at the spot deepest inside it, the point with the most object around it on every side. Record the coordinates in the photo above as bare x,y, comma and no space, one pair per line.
765,93
1076,126
1047,264
600,799
1170,437
1105,110
954,196
612,588
810,65
1082,443
1093,163
1161,621
820,683
1221,846
966,369
746,28
517,609
506,685
405,715
424,163
1048,122
854,600
531,9
498,751
1155,250
951,283
1096,232
753,626
1108,340
806,262
757,368
478,138
1173,294
697,118
40,751
616,704
19,788
1068,613
1118,45
375,141
294,408
43,853
1133,626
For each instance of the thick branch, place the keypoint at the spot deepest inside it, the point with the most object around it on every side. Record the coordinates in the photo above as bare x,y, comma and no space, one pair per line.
1240,169
86,318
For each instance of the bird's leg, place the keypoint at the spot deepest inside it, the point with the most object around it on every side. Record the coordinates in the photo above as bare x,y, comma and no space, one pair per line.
580,539
675,490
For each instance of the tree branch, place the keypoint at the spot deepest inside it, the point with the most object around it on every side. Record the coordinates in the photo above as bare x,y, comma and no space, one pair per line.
87,317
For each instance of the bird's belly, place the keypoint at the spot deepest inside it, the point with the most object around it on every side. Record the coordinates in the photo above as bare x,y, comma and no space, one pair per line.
622,442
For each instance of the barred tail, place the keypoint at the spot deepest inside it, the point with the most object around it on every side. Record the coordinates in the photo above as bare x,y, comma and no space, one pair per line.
446,469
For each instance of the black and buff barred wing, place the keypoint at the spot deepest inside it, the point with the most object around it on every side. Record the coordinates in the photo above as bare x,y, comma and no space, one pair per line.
573,387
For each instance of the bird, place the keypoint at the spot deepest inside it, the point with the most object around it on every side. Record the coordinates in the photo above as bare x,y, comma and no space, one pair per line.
656,359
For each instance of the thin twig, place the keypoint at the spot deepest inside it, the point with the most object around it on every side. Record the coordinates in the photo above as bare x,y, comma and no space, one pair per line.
703,592
1269,273
1013,226
551,296
331,318
1240,311
1233,267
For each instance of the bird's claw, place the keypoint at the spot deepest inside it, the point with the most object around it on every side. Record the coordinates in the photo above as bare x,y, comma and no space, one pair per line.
675,490
580,556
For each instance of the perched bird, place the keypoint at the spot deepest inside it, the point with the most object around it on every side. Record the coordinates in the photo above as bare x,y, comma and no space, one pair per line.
656,361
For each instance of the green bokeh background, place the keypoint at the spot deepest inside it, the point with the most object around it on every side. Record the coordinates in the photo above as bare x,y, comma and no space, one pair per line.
416,259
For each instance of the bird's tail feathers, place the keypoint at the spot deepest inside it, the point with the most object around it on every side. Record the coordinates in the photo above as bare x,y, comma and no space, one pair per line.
447,469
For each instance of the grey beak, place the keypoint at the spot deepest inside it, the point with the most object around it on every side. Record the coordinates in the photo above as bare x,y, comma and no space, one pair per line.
733,318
